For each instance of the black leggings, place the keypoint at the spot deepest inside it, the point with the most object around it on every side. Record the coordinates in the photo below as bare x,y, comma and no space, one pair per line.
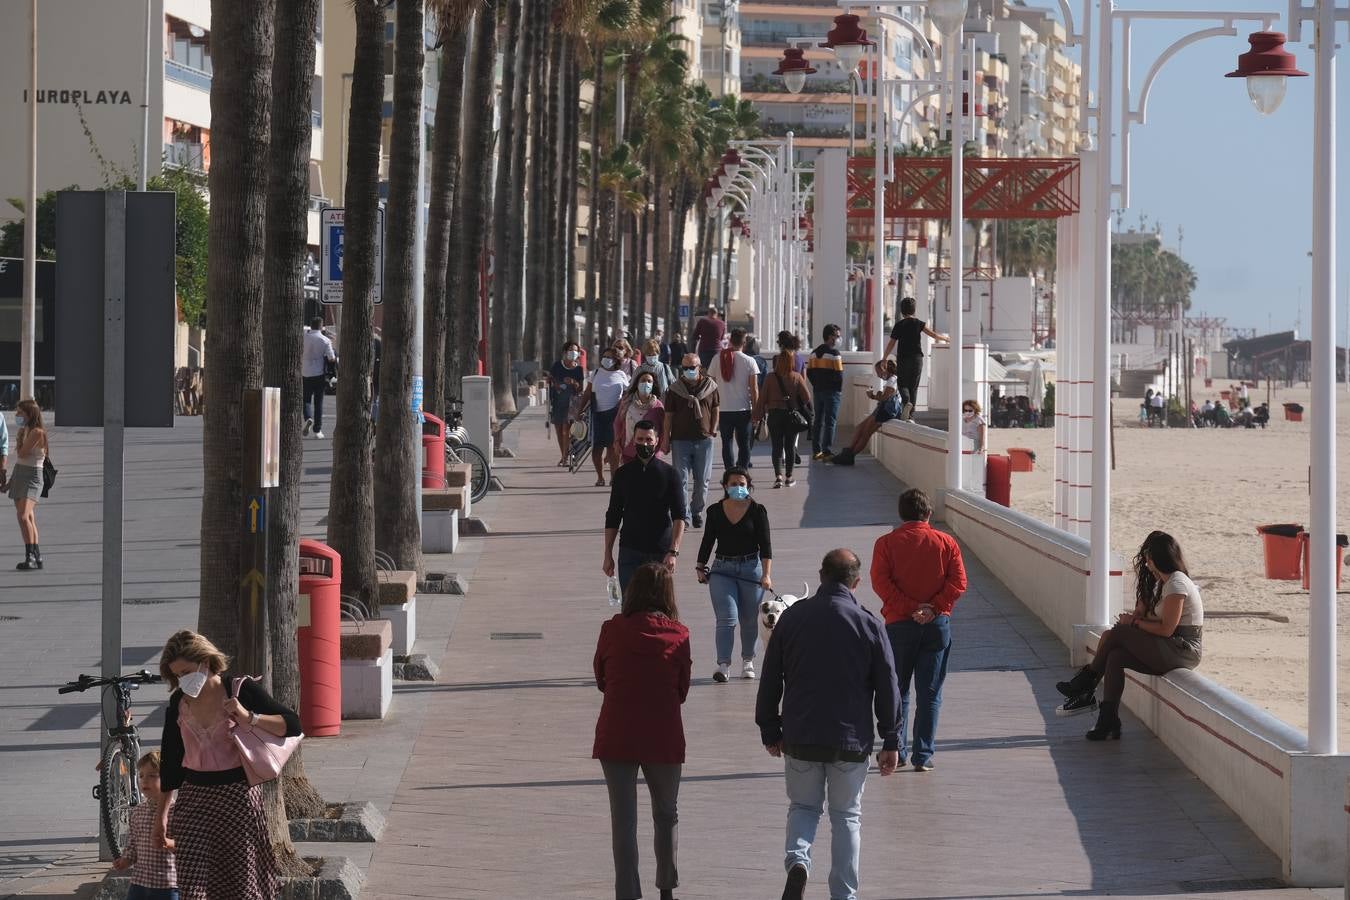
909,371
783,440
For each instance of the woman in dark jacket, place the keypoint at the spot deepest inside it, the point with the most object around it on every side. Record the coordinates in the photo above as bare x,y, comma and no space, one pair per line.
642,665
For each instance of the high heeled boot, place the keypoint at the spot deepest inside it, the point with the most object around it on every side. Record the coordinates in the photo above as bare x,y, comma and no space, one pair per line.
1108,722
1084,681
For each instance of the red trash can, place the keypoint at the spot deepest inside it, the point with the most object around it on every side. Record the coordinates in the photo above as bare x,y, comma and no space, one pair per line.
433,452
998,479
1341,541
1280,545
318,639
1021,459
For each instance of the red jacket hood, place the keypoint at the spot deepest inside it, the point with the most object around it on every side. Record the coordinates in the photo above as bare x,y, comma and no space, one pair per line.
647,631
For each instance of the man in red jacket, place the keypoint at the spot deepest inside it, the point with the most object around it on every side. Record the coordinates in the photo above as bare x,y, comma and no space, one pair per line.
918,574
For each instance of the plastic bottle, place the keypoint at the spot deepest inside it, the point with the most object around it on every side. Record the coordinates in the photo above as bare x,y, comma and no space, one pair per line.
612,590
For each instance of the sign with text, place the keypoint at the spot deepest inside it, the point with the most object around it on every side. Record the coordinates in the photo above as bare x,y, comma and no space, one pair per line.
332,240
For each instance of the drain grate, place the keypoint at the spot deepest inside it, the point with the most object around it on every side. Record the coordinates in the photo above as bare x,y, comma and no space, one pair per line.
145,602
9,618
1224,885
517,636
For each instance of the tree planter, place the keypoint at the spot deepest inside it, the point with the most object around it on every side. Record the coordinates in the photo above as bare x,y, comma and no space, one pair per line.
358,822
335,878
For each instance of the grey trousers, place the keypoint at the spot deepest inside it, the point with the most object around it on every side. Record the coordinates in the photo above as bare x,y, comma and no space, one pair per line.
663,781
1125,647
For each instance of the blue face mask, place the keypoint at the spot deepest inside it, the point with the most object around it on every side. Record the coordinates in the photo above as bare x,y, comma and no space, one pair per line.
738,492
644,388
20,420
691,374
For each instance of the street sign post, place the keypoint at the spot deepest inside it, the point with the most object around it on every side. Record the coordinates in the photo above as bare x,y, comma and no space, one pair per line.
332,231
262,462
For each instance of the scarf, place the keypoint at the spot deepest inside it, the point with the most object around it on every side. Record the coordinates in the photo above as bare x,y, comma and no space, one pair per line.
702,390
728,358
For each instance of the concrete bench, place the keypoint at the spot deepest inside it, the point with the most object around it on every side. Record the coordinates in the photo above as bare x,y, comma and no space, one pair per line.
367,668
456,497
442,509
458,475
398,605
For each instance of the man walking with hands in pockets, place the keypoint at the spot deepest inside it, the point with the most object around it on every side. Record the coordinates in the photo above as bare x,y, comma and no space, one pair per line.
827,671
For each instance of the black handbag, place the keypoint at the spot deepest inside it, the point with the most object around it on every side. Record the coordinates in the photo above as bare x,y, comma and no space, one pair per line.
48,475
797,420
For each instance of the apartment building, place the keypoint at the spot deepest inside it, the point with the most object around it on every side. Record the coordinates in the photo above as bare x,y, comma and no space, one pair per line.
91,70
720,51
1044,81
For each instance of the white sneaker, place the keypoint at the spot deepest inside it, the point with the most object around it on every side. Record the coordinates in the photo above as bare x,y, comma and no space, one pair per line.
308,427
723,673
319,435
748,669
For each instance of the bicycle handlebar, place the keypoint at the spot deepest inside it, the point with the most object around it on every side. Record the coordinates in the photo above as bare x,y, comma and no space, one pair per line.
85,682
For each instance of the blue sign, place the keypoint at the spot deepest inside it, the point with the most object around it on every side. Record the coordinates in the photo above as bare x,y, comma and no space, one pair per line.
334,236
332,250
684,310
417,399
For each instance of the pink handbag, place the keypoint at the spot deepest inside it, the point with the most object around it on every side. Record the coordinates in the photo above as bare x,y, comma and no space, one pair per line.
264,754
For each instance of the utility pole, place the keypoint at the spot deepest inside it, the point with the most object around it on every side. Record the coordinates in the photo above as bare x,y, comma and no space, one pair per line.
145,107
28,314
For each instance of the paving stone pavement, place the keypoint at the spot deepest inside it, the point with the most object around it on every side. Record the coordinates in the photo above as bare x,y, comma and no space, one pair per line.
486,776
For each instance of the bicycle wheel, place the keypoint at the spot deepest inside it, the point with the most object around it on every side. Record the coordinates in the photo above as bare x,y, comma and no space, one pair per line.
480,471
117,795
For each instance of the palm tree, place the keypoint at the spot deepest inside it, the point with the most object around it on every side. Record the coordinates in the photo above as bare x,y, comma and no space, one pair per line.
398,445
537,271
468,241
283,324
351,522
507,274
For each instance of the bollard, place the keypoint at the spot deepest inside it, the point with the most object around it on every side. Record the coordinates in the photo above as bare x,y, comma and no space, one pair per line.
477,391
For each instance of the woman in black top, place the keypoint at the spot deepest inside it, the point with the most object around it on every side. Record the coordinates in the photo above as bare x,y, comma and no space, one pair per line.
905,342
739,527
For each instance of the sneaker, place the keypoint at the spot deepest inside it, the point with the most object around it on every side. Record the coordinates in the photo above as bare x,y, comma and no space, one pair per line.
748,669
318,435
698,521
795,888
923,766
723,673
778,482
1075,705
789,482
818,456
308,427
907,412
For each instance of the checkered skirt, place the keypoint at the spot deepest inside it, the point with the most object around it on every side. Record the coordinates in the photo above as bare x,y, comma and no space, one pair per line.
221,843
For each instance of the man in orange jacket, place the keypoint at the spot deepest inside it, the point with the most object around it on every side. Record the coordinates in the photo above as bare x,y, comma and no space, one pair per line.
918,574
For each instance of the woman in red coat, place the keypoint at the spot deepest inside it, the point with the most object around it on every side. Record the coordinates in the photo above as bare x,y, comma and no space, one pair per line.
642,664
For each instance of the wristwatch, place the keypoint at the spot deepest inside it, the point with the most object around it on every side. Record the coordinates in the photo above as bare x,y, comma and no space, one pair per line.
672,552
252,718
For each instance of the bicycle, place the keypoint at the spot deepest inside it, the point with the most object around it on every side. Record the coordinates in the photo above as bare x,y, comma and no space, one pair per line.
459,451
118,790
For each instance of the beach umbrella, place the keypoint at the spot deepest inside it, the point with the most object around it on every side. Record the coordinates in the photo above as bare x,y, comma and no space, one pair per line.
1036,389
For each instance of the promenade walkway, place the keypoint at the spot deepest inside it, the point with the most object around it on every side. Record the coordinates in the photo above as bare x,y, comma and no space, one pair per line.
486,776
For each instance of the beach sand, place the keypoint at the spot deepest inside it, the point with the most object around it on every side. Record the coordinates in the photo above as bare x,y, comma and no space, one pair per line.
1210,488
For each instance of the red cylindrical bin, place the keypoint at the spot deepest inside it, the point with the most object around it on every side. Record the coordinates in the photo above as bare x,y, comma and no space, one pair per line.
1341,541
1280,545
318,639
433,452
1021,459
998,479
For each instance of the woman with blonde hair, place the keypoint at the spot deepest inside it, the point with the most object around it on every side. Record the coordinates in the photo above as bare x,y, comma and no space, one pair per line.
785,393
217,823
651,362
25,485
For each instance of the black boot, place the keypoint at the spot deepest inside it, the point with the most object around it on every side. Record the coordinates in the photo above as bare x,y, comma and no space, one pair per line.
1108,722
37,557
29,562
1084,681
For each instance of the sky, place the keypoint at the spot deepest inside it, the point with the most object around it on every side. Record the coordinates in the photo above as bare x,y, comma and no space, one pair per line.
1239,184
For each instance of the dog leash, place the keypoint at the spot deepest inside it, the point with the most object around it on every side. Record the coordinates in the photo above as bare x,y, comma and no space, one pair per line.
777,596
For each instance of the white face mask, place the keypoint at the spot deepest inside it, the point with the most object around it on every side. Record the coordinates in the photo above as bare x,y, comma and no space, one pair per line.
193,683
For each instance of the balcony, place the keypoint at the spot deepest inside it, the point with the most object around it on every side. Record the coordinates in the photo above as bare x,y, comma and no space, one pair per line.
764,37
195,78
185,156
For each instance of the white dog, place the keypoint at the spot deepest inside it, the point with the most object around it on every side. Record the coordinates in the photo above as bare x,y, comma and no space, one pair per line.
771,609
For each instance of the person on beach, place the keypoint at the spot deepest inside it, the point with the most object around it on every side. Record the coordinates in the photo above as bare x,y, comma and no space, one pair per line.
1158,410
604,390
785,392
25,483
646,500
825,371
1160,634
888,407
692,410
565,380
154,873
642,666
738,528
827,671
641,403
918,573
972,424
737,379
217,821
907,344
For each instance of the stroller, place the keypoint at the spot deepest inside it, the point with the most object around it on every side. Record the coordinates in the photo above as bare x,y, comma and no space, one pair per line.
580,449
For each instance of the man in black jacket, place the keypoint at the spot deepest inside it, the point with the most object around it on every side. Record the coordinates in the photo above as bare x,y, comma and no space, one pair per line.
829,667
647,499
825,371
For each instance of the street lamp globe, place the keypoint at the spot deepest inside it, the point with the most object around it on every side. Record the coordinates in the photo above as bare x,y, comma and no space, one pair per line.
1267,66
947,15
794,68
848,40
794,81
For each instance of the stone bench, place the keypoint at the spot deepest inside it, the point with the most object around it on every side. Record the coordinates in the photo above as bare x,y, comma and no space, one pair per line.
441,512
458,474
455,497
398,604
367,668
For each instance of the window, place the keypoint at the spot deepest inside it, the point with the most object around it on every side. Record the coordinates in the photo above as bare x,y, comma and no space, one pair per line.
187,44
316,100
11,320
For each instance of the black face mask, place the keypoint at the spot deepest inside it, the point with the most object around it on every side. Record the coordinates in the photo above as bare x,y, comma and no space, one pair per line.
645,451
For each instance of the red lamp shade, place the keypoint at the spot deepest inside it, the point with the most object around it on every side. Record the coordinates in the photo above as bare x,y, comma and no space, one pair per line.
1266,66
847,39
794,68
731,159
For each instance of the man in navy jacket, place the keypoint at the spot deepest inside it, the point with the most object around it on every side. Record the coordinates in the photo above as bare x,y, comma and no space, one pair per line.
827,670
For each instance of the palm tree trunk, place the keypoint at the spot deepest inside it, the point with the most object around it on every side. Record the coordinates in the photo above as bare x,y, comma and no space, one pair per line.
503,285
593,241
554,177
516,209
445,160
540,172
572,191
241,95
700,245
351,522
398,444
472,206
660,234
681,217
724,298
642,226
286,237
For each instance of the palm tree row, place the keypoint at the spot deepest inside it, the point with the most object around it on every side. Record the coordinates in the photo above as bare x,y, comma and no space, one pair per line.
1148,280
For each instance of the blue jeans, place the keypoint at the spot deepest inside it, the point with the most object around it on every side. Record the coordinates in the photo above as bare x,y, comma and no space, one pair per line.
735,425
629,561
807,786
921,654
736,599
314,389
826,404
693,460
136,892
